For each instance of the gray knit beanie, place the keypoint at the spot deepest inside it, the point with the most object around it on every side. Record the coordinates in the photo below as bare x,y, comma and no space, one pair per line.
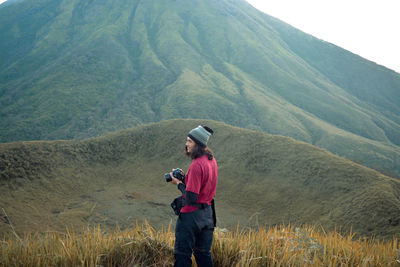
200,135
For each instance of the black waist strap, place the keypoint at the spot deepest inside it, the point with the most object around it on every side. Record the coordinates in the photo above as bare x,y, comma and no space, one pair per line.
200,205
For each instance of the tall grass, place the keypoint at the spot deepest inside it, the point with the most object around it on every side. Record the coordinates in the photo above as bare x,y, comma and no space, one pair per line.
143,245
301,246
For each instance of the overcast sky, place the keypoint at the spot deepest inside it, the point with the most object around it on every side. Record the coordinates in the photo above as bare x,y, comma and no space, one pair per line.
369,28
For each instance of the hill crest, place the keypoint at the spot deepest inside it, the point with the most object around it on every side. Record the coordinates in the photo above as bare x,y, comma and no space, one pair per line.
118,178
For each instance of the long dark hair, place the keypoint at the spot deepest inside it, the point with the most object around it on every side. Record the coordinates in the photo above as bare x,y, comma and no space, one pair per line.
199,151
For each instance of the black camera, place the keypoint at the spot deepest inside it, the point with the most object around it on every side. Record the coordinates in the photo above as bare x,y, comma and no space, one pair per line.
177,173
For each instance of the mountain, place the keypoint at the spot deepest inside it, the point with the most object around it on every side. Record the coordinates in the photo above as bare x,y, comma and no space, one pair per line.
117,179
80,68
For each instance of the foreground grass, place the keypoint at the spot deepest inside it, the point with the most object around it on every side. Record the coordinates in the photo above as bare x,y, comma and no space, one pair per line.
146,246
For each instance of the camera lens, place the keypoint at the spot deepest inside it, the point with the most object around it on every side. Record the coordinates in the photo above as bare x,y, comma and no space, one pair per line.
167,177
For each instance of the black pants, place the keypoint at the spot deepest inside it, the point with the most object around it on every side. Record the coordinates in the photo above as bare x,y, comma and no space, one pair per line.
194,234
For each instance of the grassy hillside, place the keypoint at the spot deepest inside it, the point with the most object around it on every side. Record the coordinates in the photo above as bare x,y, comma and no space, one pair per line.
263,179
79,68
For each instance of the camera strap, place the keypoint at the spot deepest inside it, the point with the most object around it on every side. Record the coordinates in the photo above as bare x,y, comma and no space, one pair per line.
214,213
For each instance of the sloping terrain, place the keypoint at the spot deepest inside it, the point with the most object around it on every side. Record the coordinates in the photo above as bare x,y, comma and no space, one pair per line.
80,68
119,178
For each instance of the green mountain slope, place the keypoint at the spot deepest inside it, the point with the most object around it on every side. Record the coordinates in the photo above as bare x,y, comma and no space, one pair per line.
375,86
118,179
80,68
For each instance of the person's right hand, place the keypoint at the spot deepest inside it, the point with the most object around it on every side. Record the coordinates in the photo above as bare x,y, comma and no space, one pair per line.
174,180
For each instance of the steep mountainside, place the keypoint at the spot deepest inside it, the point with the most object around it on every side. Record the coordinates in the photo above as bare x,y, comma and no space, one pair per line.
119,178
79,68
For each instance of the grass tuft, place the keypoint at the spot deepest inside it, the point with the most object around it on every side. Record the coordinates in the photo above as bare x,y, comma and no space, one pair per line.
143,245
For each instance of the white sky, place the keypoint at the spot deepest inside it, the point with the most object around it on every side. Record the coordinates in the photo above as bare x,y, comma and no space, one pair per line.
369,28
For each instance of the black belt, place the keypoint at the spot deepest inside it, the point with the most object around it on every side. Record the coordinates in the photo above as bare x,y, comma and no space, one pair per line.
200,205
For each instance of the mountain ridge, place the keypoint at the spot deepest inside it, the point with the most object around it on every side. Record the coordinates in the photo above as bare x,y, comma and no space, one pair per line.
118,179
77,69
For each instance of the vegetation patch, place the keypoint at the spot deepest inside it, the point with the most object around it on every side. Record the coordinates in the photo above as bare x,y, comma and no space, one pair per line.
117,179
143,245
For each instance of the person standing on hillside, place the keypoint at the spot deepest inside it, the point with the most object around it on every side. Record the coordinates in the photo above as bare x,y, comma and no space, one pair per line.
196,221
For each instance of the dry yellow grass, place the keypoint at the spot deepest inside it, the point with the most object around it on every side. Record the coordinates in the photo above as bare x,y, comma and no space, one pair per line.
295,246
143,245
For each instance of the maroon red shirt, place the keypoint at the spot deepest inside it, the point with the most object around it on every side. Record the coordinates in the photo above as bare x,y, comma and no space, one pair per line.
201,179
